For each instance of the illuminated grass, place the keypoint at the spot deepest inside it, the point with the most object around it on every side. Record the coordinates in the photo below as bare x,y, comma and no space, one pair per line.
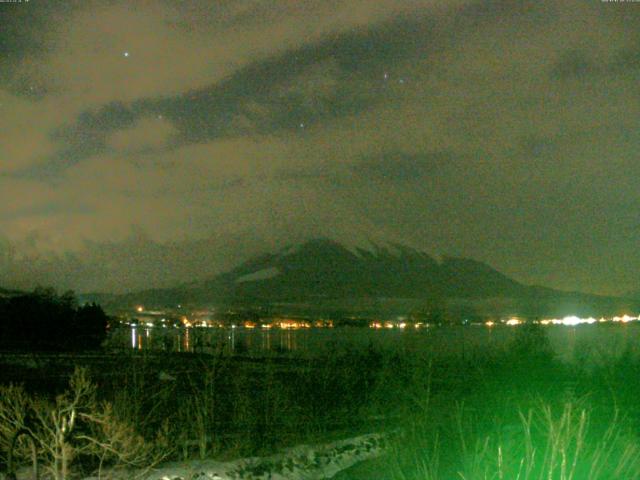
559,442
551,444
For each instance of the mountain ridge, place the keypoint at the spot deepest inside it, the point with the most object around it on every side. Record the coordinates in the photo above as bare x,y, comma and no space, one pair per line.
324,271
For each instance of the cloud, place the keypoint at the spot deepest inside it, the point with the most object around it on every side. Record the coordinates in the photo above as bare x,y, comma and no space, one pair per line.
145,134
305,84
627,58
402,167
24,131
176,47
484,129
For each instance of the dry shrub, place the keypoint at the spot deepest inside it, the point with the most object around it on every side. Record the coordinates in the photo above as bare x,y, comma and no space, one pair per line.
74,431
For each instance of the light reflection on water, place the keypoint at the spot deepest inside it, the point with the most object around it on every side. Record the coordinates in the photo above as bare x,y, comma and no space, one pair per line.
238,340
569,343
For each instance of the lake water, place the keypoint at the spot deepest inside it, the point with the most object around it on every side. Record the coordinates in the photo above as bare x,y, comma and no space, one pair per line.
599,341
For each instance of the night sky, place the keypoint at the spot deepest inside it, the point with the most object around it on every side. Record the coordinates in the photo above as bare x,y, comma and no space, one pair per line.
150,143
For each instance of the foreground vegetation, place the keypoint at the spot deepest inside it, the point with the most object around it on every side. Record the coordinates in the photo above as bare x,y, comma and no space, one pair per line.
515,413
42,320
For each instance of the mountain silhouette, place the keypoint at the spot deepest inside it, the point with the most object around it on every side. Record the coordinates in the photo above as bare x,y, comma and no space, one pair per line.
323,271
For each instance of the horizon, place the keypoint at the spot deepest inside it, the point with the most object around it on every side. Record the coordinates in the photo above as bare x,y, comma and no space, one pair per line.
148,145
272,269
354,249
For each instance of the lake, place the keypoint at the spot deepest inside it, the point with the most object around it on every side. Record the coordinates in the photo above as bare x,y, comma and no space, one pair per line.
570,343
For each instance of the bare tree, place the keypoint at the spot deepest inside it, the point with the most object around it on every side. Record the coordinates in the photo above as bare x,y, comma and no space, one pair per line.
75,424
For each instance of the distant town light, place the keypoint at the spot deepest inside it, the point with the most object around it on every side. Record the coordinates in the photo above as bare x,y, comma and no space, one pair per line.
571,321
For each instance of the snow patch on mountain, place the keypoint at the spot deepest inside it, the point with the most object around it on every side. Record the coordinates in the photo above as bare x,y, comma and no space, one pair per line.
360,246
263,274
369,246
290,249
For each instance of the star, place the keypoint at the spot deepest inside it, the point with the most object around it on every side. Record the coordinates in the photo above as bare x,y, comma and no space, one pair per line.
126,54
302,125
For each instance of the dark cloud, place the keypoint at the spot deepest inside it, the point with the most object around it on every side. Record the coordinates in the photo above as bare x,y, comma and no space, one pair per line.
20,36
402,167
265,97
574,63
27,37
535,147
627,59
45,209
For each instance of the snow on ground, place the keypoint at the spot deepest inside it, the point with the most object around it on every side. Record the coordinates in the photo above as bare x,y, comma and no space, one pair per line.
304,462
299,463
